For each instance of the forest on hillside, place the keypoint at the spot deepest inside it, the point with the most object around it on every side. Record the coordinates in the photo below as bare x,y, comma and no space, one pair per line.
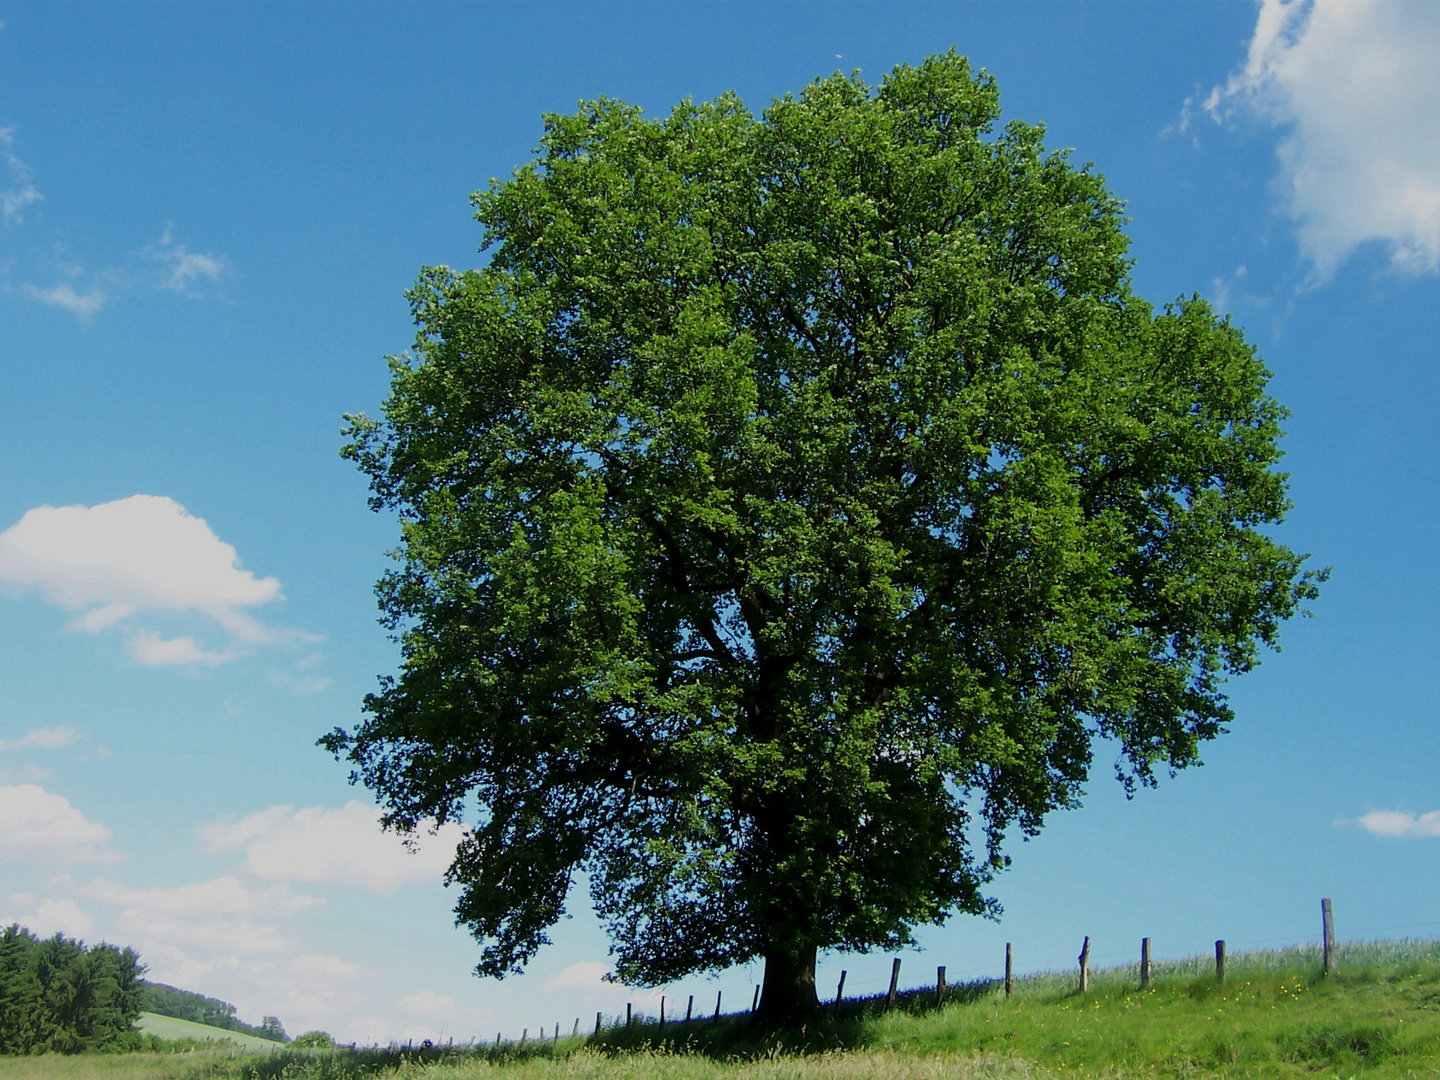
188,1005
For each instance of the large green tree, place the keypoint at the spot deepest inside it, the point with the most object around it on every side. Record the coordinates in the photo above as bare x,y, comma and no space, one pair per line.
58,995
786,509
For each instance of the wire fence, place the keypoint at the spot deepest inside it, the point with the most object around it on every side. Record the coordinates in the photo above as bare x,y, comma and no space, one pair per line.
1104,968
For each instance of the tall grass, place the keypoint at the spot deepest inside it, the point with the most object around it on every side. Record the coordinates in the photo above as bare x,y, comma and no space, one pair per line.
583,1063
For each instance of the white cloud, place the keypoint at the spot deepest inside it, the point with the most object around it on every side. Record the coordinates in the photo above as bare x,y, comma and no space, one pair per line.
242,943
343,846
307,990
185,266
1355,85
428,1015
223,915
21,192
222,896
51,738
584,975
1222,286
142,555
302,685
586,978
149,648
46,917
63,295
1399,823
15,199
29,773
34,824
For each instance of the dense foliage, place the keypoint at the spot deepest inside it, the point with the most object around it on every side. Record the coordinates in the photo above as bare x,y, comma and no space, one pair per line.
197,1008
786,510
58,995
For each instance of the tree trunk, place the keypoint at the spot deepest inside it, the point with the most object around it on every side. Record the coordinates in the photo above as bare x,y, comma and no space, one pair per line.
788,993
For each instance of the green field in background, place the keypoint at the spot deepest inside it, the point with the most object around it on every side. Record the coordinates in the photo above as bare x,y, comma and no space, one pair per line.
168,1027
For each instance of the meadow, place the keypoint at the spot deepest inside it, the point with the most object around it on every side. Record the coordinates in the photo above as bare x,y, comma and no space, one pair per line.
1275,1016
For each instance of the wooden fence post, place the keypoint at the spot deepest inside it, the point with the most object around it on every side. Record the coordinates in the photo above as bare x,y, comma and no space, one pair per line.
557,1031
1009,970
597,1023
497,1040
523,1033
940,985
628,1015
574,1031
894,982
662,1012
689,1008
840,990
1144,963
1327,919
1085,966
755,1001
717,1003
1220,961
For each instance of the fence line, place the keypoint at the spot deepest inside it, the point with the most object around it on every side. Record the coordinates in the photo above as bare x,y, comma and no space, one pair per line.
1138,965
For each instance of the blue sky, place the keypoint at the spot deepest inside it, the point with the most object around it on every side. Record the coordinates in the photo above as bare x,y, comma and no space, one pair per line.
209,215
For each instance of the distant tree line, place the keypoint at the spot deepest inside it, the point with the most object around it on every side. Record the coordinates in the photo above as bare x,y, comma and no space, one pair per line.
59,995
197,1008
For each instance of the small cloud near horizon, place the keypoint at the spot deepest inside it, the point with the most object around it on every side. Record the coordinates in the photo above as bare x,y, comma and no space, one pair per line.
1400,824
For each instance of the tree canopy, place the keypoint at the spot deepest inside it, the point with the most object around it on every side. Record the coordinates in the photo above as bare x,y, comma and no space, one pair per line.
787,508
60,996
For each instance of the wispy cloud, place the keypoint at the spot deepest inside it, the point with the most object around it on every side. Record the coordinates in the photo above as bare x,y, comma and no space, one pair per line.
302,685
183,266
64,295
1223,284
50,738
1353,86
166,264
15,199
592,978
21,192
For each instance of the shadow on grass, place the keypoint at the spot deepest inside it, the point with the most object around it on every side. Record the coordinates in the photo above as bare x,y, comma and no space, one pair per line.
733,1037
741,1036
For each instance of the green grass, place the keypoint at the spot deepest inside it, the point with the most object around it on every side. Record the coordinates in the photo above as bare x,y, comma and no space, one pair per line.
1274,1018
172,1029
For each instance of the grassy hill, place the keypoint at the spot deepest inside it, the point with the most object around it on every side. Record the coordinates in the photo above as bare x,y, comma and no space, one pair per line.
1275,1017
166,1000
169,1027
